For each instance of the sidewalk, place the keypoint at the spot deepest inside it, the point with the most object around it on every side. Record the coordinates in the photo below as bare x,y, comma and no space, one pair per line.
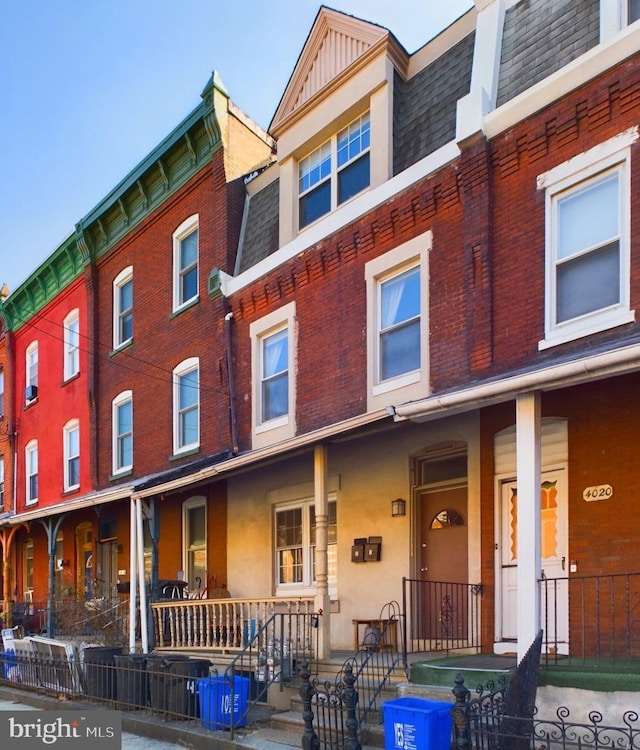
145,731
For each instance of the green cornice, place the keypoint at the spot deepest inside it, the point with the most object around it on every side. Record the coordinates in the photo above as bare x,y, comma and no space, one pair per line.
62,267
168,167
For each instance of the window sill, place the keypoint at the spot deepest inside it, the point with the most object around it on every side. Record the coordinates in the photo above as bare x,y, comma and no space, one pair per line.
120,474
187,452
121,347
70,379
71,490
594,325
28,404
186,306
393,384
272,424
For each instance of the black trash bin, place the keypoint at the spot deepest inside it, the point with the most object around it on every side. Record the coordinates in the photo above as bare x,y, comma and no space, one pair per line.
132,681
100,671
173,688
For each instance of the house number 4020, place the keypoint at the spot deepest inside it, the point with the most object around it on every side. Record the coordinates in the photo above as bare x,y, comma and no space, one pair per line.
601,492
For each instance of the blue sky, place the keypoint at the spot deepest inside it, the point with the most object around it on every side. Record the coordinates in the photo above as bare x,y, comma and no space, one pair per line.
89,87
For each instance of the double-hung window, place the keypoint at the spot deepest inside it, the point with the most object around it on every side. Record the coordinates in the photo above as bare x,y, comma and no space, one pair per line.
122,432
185,263
31,472
274,387
295,544
397,323
71,455
31,365
71,326
335,171
123,308
273,371
587,237
186,405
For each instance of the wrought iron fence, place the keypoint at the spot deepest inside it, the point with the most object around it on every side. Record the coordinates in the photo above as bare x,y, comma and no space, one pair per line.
603,615
333,706
441,616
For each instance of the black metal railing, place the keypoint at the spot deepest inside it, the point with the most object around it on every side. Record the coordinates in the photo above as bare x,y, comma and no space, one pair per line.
329,712
441,616
273,655
591,620
374,665
335,711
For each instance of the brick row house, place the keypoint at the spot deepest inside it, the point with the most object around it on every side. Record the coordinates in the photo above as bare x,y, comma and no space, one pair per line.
388,345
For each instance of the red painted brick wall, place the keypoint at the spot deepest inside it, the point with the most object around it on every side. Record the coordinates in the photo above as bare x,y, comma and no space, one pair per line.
57,401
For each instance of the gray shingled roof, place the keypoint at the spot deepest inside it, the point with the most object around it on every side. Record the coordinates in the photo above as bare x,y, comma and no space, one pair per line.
424,116
261,227
540,37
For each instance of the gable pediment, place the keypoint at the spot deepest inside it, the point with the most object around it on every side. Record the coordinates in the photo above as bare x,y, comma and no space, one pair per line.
335,43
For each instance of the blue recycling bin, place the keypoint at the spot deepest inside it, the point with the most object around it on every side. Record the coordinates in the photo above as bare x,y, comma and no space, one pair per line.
416,724
220,705
9,665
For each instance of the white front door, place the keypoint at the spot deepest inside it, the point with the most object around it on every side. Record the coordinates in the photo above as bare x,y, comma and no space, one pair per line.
553,550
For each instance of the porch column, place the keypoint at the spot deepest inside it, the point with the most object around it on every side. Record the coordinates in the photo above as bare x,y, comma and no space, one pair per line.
143,589
528,539
133,575
7,534
51,527
322,603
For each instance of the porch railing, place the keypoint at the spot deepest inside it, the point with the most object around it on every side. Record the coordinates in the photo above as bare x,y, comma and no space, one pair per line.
440,616
603,616
225,624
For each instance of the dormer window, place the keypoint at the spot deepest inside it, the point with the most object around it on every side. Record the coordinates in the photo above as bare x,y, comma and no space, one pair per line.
335,171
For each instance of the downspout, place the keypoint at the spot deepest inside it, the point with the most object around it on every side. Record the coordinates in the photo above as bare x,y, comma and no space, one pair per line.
232,391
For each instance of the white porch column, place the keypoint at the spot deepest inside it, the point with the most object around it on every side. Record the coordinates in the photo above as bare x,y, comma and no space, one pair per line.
528,471
322,602
141,581
133,576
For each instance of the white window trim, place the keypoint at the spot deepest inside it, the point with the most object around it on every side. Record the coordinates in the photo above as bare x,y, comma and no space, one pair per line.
414,384
334,172
196,501
30,448
308,585
612,154
614,16
71,426
71,364
185,367
120,280
283,427
188,226
31,350
118,401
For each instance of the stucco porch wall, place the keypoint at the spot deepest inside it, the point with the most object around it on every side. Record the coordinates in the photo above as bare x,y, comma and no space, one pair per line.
365,473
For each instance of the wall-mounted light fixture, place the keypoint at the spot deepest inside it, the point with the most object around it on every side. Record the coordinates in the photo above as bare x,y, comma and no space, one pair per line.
398,507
